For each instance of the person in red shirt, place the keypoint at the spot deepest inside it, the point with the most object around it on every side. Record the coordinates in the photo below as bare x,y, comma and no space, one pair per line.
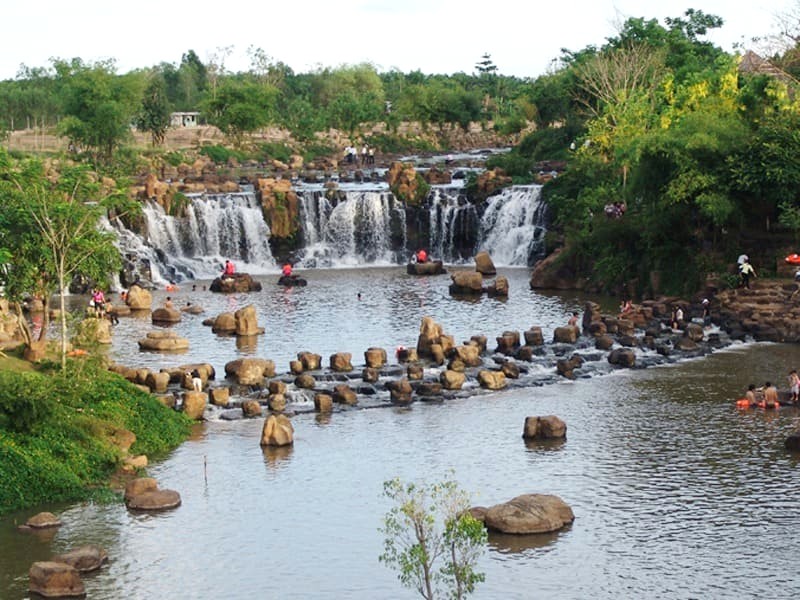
422,256
287,270
229,268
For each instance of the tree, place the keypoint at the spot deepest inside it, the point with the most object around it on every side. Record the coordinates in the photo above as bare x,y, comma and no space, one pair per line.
51,228
241,106
431,524
154,115
99,105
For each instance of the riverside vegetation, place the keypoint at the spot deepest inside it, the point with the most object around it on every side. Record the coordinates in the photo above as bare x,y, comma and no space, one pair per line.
62,432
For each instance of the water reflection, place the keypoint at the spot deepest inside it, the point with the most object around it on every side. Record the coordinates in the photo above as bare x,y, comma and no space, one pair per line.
538,446
508,544
275,456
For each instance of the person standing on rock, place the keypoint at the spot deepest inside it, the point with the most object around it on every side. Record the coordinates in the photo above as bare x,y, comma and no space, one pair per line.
794,386
573,320
746,271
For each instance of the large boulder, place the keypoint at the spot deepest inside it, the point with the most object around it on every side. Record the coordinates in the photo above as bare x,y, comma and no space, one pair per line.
430,334
452,380
466,282
139,298
375,358
344,394
157,382
194,404
508,342
323,402
534,337
251,408
432,267
43,520
529,513
84,559
484,264
55,580
544,428
492,380
340,362
309,360
224,323
277,431
92,331
499,287
469,355
163,341
566,335
247,321
143,493
166,315
250,371
622,357
238,282
400,391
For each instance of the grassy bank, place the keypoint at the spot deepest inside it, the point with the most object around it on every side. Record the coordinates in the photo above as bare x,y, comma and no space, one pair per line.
57,432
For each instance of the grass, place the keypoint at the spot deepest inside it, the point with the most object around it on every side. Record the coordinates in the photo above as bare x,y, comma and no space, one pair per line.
57,431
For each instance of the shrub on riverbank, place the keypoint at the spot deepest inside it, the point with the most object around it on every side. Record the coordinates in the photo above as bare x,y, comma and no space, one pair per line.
56,432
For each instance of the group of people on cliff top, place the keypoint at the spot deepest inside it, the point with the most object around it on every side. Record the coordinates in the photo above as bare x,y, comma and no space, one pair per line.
367,155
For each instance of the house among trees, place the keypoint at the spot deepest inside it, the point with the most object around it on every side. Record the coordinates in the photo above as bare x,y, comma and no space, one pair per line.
184,119
756,65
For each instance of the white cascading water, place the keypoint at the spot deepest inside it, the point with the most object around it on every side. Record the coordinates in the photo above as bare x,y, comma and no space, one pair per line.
513,225
213,228
355,229
352,228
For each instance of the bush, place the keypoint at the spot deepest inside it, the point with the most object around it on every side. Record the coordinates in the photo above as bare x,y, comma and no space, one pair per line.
276,151
55,432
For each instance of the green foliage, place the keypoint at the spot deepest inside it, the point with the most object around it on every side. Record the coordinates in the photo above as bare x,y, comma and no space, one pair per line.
276,150
60,449
241,106
395,144
432,539
154,114
220,154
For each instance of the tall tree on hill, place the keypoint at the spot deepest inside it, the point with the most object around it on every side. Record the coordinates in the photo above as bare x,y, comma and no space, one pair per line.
154,114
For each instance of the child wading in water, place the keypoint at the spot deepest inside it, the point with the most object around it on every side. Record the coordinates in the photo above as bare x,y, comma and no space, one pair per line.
794,386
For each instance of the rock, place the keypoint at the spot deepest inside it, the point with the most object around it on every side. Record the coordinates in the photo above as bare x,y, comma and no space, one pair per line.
484,264
622,357
510,369
166,315
305,381
276,386
192,309
694,332
370,375
134,463
310,361
163,341
554,274
194,404
238,282
277,431
276,402
224,323
340,362
295,367
492,380
465,282
139,298
155,500
250,371
529,513
452,380
138,486
685,344
604,342
343,394
508,342
375,357
219,396
84,559
432,267
93,331
400,391
55,580
247,321
43,520
478,340
566,335
469,355
499,287
544,428
251,408
415,372
157,382
566,367
323,403
534,337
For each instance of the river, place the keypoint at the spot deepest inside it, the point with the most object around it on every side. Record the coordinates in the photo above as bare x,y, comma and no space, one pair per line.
676,494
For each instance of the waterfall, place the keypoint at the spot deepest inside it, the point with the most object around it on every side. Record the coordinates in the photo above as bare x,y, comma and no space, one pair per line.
212,228
345,227
513,226
351,228
453,225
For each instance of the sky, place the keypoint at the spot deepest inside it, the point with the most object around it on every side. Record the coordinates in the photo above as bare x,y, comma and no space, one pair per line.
523,37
